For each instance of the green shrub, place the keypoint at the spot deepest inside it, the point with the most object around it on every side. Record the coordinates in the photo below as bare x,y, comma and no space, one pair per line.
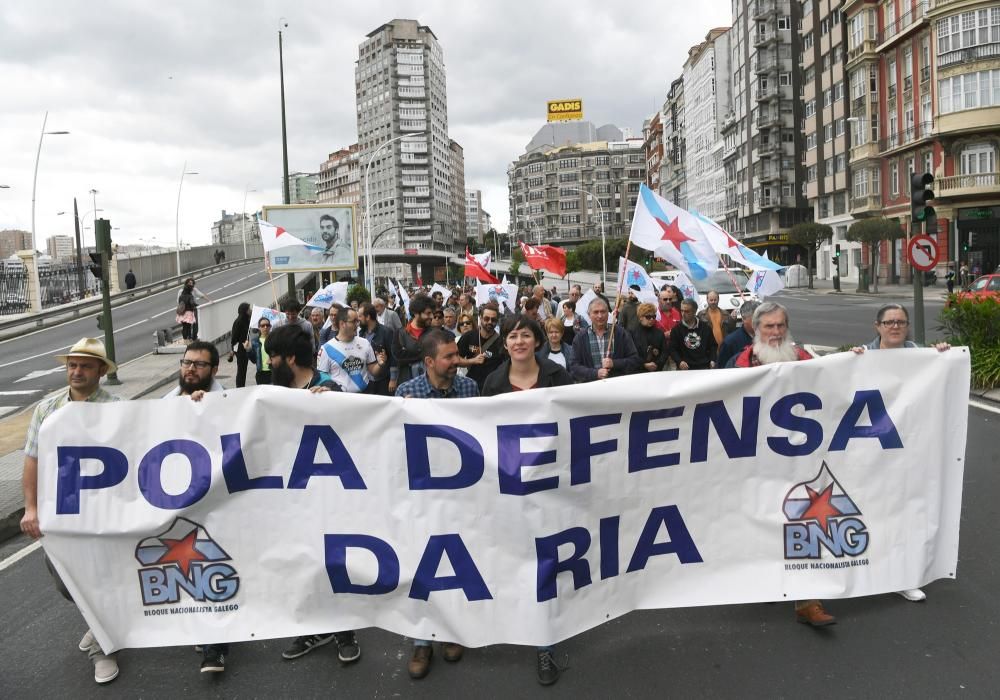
359,293
976,323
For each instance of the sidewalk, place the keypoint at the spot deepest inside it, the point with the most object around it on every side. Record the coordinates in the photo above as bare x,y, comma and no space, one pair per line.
146,377
885,291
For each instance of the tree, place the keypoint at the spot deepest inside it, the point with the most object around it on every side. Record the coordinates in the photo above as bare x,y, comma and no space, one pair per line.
516,258
873,231
359,293
810,236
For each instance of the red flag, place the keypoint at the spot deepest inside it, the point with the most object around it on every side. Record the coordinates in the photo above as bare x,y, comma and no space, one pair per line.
545,257
473,268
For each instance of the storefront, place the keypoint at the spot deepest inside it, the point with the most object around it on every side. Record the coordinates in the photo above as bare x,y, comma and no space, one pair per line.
978,238
778,248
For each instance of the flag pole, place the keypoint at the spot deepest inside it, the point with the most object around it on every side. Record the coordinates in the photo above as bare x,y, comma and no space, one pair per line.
739,290
618,301
270,276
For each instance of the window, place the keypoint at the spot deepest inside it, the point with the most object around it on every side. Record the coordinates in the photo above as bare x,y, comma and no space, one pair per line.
856,31
827,133
894,178
840,163
807,41
784,79
839,126
810,142
811,173
890,76
784,23
928,162
861,182
969,91
977,159
858,86
969,29
838,91
810,108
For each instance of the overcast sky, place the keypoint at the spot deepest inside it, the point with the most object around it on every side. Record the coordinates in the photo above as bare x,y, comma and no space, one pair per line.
144,86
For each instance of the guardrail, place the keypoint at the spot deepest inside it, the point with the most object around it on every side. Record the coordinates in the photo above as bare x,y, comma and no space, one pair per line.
68,312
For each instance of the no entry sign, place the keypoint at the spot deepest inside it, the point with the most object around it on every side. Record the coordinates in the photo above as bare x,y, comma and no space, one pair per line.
923,252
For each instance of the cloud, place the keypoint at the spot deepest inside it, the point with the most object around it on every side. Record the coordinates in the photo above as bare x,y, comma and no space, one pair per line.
146,86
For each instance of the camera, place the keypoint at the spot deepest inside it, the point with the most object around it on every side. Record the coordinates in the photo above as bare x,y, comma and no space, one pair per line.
488,354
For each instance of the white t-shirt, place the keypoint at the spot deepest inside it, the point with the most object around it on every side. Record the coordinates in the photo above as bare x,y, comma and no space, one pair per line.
347,363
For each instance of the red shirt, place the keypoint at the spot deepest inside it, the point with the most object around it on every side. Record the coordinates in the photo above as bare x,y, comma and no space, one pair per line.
667,321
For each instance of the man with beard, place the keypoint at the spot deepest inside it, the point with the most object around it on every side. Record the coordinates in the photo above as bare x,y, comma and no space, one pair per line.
387,317
692,343
406,344
380,338
199,366
481,349
290,350
628,315
438,380
333,246
773,343
349,360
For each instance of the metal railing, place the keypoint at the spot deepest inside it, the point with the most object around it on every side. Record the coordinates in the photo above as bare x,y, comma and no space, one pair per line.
972,53
906,20
951,183
906,136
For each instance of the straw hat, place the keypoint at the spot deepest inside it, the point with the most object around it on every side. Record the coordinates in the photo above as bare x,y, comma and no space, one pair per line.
89,347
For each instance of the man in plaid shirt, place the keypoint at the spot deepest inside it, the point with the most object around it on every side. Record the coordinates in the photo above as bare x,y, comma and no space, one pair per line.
440,380
86,363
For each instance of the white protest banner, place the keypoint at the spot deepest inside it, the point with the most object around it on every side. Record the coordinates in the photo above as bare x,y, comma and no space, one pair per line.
259,312
500,294
333,293
445,292
269,512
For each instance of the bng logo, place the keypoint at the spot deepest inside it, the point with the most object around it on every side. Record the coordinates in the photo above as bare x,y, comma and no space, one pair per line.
185,559
822,516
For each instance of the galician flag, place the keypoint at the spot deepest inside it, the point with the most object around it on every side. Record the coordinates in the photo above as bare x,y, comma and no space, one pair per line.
764,283
672,234
725,244
274,237
634,273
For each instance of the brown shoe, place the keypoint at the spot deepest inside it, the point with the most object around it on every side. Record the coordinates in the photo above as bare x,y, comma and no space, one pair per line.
420,662
452,652
814,615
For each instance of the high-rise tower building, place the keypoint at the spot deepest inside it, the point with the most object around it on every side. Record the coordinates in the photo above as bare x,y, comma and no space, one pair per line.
402,107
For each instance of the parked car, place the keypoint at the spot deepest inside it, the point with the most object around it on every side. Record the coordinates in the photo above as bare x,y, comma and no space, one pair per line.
721,281
983,287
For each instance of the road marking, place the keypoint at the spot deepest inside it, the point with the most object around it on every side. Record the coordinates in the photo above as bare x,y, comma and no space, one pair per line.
19,555
22,392
983,406
39,373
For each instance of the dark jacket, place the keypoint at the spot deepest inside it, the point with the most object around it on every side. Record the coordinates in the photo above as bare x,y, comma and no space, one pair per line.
623,354
239,333
187,298
406,354
129,280
651,346
696,346
733,345
381,338
628,315
565,349
549,374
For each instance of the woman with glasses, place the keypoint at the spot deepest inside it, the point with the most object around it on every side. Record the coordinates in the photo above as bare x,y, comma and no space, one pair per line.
464,324
892,325
650,341
257,353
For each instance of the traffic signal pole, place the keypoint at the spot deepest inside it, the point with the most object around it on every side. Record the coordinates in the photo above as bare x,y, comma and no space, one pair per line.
918,298
102,229
920,213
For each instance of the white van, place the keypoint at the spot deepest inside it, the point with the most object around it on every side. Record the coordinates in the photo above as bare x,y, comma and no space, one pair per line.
721,281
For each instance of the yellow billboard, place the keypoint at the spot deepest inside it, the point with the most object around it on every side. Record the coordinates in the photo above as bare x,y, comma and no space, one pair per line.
565,110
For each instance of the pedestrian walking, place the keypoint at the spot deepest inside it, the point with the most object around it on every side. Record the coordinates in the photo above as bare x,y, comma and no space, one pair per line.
239,335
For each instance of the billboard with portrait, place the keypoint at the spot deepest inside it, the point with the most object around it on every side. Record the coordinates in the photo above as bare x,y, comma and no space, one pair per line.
329,231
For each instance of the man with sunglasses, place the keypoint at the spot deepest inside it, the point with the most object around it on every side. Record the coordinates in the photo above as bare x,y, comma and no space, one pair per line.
199,366
480,350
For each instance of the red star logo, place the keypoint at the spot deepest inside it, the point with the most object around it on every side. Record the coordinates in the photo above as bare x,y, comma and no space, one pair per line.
672,233
732,242
820,507
182,552
278,231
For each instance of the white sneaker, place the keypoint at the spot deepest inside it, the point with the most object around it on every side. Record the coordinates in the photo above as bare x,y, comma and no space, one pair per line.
914,595
87,641
105,666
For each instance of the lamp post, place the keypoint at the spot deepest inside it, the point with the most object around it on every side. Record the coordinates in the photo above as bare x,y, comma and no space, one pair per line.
34,181
243,215
177,216
369,259
604,258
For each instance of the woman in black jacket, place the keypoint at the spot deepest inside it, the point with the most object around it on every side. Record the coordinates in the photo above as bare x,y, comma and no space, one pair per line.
522,336
650,342
239,335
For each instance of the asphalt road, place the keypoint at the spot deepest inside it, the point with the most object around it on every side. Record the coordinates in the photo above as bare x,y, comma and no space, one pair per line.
883,646
28,372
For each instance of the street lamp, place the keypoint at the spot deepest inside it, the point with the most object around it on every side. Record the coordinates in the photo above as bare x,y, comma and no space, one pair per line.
177,216
34,181
243,214
370,259
604,259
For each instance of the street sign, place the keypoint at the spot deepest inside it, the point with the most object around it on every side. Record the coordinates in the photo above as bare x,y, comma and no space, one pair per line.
923,253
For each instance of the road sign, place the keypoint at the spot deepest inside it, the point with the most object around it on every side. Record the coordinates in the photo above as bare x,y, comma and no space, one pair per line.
923,253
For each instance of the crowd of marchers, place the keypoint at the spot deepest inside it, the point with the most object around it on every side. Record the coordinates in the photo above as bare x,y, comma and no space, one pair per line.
432,347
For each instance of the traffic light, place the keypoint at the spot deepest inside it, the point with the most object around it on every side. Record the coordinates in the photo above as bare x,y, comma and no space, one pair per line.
836,252
96,268
920,210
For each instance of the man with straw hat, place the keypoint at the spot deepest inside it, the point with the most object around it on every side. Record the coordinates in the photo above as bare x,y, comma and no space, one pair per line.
86,362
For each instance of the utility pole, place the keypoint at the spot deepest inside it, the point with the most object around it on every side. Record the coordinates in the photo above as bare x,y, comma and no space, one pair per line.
102,231
285,194
80,277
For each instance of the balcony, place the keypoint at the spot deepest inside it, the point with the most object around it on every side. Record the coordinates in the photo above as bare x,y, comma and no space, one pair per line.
769,93
767,119
973,53
864,151
907,136
767,174
765,65
764,8
866,49
765,38
869,204
968,185
925,72
908,20
771,149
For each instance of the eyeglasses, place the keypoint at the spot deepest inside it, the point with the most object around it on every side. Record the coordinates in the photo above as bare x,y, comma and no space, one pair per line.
465,323
200,364
894,323
650,317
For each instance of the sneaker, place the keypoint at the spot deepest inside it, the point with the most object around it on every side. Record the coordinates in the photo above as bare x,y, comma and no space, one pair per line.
303,645
213,662
420,662
815,615
451,651
914,595
105,666
348,649
548,670
87,641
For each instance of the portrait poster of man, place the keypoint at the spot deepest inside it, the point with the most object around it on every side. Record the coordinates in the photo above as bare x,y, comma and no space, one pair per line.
327,229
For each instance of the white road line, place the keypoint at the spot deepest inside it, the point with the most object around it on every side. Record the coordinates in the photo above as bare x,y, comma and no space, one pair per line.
22,392
19,555
983,407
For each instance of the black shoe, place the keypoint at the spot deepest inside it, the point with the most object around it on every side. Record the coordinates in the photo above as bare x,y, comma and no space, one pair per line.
548,671
303,645
213,662
348,649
